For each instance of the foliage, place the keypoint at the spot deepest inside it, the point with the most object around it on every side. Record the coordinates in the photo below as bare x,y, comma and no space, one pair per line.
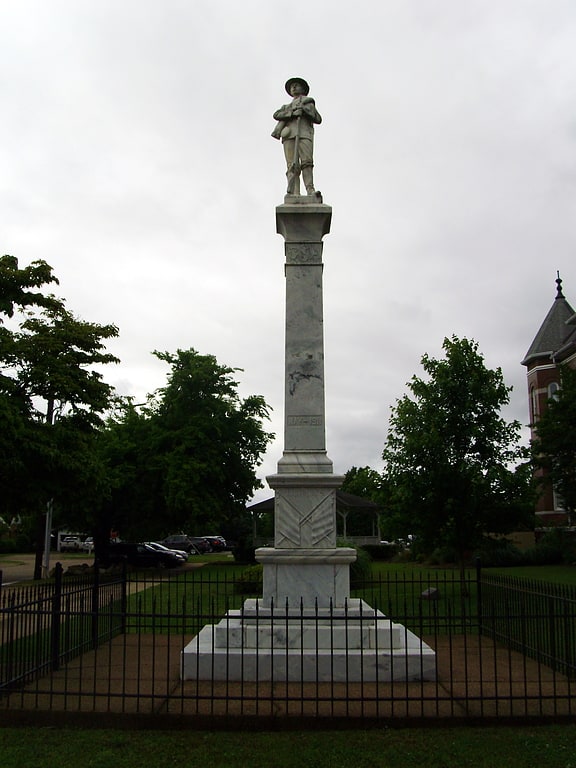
361,568
364,482
51,397
250,581
453,465
381,551
556,547
187,460
554,448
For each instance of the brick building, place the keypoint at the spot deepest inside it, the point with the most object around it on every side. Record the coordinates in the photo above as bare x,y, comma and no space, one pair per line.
554,346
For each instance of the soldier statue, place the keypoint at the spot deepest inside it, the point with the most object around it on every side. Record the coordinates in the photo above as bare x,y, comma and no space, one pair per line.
296,129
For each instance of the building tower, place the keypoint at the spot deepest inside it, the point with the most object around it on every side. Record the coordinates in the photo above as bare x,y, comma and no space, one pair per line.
554,346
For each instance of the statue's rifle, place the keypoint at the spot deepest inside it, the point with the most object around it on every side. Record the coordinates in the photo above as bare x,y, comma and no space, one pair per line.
296,162
296,159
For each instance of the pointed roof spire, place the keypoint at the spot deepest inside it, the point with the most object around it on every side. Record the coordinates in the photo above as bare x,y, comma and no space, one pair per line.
555,331
559,294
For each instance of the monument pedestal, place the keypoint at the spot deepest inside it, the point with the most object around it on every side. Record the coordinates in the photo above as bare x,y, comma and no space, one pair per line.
286,644
306,627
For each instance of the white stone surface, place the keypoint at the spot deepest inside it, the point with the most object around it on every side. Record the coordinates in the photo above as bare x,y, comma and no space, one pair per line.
340,647
306,577
306,628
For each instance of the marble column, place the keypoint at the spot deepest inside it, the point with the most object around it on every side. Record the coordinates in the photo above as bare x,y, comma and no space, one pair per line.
305,565
306,627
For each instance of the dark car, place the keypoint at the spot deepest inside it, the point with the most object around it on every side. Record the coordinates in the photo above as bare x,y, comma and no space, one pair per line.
201,543
217,543
180,541
142,556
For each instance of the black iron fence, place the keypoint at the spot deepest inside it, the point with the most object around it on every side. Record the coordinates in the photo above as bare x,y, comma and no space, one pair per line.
44,626
503,648
532,617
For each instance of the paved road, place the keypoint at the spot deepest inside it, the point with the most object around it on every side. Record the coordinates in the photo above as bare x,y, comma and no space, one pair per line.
16,568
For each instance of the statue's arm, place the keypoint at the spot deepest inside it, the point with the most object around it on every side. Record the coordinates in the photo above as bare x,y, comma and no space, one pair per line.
284,113
309,109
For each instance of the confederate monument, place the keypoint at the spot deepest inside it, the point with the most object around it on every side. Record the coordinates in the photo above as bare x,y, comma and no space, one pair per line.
306,627
296,129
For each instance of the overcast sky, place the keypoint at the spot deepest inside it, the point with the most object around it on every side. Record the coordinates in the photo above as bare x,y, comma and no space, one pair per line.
136,159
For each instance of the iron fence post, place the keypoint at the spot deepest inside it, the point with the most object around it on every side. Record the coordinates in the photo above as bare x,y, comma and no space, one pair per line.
124,599
479,594
56,617
95,605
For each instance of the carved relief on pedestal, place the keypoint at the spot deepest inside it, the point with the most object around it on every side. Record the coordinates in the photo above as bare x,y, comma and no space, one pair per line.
303,253
305,517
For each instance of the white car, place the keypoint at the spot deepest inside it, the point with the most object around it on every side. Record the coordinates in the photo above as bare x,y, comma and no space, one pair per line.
71,544
161,548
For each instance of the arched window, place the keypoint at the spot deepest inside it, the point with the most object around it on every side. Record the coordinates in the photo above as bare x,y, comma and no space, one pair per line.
553,390
534,403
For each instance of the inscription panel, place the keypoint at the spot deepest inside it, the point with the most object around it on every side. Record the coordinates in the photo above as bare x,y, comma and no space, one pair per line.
304,421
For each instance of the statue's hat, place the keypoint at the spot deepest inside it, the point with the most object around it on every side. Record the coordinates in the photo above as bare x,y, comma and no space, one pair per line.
302,82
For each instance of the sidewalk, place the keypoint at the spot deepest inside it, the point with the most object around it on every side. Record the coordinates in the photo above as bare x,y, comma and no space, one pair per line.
20,567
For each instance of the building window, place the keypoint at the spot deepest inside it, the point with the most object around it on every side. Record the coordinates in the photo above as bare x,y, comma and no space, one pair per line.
553,390
534,403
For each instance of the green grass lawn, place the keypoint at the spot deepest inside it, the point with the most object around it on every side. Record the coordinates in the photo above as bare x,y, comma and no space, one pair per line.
550,746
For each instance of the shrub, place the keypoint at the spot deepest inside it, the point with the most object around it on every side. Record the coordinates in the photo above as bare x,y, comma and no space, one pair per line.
381,551
361,568
554,548
250,581
499,553
7,546
244,553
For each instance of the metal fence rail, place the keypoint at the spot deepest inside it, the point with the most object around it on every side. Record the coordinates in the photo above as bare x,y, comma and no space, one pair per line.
115,647
533,617
45,625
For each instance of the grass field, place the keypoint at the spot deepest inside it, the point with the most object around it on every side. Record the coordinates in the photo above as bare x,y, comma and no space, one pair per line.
502,747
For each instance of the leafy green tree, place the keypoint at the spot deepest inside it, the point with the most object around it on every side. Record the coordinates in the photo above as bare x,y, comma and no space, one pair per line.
554,447
364,482
454,466
187,459
51,396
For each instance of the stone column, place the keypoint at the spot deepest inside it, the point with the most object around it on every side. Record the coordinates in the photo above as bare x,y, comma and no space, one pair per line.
305,565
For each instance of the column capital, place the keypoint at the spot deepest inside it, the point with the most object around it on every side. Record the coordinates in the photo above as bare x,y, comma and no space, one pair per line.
299,223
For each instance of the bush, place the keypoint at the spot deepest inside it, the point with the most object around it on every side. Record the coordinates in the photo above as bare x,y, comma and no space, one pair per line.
381,551
250,581
499,553
7,546
244,553
556,547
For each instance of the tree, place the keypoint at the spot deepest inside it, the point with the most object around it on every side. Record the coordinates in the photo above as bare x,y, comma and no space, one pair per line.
364,482
553,448
455,469
51,396
187,459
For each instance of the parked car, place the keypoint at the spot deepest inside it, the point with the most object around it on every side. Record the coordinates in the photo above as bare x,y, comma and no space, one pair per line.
217,543
201,543
180,553
180,541
142,556
88,544
71,544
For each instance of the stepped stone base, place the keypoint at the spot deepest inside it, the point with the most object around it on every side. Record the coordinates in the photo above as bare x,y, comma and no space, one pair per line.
353,644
